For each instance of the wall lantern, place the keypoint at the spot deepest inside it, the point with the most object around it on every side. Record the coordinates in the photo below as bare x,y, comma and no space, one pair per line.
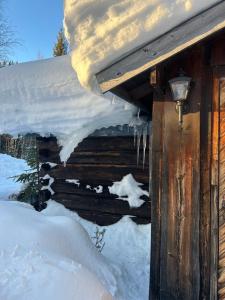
180,87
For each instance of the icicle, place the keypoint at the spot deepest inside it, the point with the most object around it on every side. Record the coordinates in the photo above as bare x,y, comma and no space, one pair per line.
139,132
135,134
145,133
138,115
113,101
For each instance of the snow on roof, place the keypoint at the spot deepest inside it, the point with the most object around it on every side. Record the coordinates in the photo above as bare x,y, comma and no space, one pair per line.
46,97
101,32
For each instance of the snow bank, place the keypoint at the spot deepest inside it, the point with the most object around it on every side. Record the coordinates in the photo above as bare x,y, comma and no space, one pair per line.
9,167
128,189
127,249
100,32
49,257
46,97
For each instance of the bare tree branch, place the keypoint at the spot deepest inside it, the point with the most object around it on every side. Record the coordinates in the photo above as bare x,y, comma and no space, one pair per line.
7,38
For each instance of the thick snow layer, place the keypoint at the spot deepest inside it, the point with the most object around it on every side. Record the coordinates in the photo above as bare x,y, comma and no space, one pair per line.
102,31
9,167
128,189
49,257
127,249
46,97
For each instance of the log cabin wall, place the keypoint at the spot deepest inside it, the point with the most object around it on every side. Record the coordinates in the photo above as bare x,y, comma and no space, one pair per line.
97,161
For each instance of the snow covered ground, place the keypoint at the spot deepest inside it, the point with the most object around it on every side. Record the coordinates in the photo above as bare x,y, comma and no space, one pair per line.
50,256
101,32
45,97
127,248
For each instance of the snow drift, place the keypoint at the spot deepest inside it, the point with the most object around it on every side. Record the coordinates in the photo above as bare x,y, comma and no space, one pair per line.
46,97
101,32
127,248
49,257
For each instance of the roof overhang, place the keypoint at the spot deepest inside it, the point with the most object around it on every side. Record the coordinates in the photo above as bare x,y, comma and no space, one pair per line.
162,48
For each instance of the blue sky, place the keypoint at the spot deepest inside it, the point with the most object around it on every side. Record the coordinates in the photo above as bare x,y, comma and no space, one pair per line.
36,24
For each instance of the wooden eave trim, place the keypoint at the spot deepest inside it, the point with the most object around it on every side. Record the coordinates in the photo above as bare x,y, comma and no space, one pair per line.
169,44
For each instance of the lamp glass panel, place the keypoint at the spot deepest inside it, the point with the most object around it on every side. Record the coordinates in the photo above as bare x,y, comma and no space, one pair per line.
180,89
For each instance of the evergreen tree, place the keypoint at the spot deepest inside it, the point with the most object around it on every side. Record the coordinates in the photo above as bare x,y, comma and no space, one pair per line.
29,178
6,63
61,46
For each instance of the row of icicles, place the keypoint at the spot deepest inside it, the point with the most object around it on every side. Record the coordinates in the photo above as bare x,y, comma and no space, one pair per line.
140,126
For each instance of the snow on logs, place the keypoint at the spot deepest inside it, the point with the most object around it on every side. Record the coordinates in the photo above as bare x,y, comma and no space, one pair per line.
96,162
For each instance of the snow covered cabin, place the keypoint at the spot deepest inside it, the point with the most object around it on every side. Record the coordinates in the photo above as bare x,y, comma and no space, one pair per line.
134,49
141,51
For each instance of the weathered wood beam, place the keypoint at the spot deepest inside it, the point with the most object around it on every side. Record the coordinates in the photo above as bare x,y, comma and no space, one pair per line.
141,91
133,96
205,181
169,44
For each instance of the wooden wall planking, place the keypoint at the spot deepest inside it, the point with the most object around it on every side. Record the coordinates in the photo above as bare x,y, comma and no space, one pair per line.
218,170
181,199
221,278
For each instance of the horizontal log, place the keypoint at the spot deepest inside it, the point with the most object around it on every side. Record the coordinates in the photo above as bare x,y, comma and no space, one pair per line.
47,155
71,188
104,219
48,143
114,206
44,195
99,218
117,158
61,186
108,143
141,221
97,173
100,143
